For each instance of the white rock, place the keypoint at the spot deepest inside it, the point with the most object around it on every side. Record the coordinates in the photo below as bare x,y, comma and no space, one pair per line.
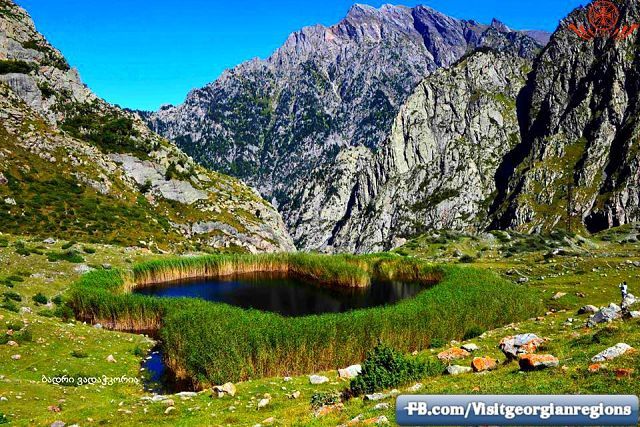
470,347
111,359
457,369
612,352
262,403
350,371
318,379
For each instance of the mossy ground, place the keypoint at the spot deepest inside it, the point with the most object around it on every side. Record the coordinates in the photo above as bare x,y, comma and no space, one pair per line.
595,270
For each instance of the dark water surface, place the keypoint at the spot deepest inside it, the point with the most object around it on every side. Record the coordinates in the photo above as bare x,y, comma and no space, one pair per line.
287,296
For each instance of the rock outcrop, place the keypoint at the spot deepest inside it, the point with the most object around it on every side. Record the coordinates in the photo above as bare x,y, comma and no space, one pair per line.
579,154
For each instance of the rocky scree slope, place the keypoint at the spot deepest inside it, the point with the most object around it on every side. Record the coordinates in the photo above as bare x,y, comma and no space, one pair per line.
580,151
279,122
73,166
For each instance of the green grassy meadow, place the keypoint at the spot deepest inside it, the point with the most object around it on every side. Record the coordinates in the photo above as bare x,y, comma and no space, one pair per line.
588,273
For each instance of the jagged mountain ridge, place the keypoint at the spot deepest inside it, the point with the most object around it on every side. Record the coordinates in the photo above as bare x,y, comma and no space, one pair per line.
73,166
277,122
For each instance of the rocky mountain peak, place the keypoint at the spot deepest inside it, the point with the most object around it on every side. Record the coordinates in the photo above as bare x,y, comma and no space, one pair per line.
500,26
328,94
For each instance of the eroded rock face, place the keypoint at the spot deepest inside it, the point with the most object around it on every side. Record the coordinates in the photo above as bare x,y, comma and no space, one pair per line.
580,134
302,123
436,170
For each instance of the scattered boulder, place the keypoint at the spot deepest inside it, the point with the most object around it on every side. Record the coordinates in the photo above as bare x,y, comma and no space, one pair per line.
605,315
588,309
225,389
596,367
469,347
531,362
624,373
111,359
612,352
453,353
169,410
415,388
381,406
558,295
82,269
287,379
377,396
16,357
318,379
58,424
634,314
169,402
350,372
9,201
263,403
49,241
482,364
514,346
184,395
269,420
630,300
294,395
12,344
381,420
3,179
457,369
325,410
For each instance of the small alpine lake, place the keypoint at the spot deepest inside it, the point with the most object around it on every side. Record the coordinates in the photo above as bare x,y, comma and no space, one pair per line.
283,294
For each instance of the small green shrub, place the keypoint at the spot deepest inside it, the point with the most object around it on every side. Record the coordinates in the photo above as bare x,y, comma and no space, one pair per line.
139,352
437,343
318,400
11,306
3,419
39,298
68,245
467,259
64,312
386,368
68,256
88,250
23,336
10,66
473,332
15,278
79,354
57,300
14,296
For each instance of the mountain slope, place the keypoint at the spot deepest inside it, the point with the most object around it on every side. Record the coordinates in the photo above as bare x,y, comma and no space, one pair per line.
275,122
435,171
73,166
581,135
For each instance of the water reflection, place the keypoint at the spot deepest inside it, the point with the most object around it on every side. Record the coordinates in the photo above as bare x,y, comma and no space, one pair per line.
287,296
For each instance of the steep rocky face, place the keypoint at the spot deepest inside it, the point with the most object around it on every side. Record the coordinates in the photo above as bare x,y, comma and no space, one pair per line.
73,166
326,95
580,135
435,170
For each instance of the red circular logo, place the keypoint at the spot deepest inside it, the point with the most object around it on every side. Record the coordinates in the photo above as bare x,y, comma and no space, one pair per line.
603,15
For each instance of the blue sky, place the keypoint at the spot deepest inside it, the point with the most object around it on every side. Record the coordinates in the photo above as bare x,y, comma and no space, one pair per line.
145,53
